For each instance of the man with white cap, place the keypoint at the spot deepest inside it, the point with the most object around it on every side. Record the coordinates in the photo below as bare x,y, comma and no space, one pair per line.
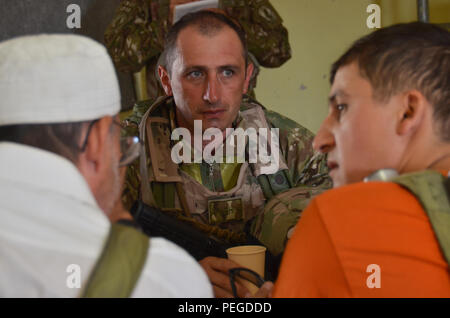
59,181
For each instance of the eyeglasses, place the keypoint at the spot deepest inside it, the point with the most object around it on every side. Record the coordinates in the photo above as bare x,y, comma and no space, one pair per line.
130,146
244,273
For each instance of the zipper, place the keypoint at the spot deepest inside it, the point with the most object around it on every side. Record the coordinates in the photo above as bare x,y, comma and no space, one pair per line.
211,175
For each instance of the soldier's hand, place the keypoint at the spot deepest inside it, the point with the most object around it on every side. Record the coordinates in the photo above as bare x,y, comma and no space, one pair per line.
217,270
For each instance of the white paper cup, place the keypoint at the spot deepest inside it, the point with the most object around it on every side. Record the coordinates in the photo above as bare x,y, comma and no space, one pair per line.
249,256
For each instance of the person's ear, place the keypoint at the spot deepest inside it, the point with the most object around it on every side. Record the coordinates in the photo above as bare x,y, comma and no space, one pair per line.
92,160
248,76
165,80
98,139
412,112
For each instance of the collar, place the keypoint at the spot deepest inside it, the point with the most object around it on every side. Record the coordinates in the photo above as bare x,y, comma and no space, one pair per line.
170,102
44,170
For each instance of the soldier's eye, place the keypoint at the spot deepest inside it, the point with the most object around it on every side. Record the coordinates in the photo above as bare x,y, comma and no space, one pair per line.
227,73
195,74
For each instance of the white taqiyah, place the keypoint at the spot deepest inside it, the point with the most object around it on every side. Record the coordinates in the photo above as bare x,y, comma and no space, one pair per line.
56,78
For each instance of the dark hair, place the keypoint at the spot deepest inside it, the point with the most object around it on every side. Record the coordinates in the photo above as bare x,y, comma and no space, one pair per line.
208,23
61,139
402,57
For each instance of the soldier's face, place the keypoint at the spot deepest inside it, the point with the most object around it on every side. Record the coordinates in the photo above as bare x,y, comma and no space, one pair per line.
359,133
208,78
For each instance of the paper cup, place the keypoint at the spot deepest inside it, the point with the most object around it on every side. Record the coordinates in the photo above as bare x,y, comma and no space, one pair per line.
249,256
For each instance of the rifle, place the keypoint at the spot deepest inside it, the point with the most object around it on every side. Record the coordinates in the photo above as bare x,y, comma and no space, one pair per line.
156,223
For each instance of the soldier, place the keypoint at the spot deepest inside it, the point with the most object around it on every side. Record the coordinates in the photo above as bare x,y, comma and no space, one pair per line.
205,75
135,37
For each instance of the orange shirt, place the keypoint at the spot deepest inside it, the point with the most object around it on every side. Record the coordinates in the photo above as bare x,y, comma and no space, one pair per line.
345,230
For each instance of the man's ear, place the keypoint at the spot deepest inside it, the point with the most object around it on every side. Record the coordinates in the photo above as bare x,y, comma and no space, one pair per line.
92,160
165,80
412,112
249,73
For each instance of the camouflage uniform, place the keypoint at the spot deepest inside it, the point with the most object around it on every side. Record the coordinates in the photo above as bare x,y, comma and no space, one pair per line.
135,36
229,208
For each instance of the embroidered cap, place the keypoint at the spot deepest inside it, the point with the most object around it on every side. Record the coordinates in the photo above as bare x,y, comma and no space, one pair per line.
56,78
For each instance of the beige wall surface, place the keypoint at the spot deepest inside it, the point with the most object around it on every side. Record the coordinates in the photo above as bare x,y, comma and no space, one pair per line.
319,32
401,11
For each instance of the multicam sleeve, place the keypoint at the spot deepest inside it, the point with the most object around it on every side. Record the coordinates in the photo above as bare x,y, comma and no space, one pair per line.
309,175
136,33
306,167
267,38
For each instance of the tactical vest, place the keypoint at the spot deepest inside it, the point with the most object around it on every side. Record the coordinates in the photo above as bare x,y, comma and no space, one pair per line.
167,187
432,190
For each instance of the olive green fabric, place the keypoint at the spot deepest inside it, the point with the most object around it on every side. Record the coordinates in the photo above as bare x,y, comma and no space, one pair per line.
274,184
428,187
281,213
120,264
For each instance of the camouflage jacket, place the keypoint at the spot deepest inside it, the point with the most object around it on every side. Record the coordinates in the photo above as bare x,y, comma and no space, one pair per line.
225,212
135,36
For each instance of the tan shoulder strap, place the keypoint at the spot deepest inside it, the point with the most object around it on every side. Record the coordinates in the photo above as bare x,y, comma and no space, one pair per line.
429,188
120,264
146,191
